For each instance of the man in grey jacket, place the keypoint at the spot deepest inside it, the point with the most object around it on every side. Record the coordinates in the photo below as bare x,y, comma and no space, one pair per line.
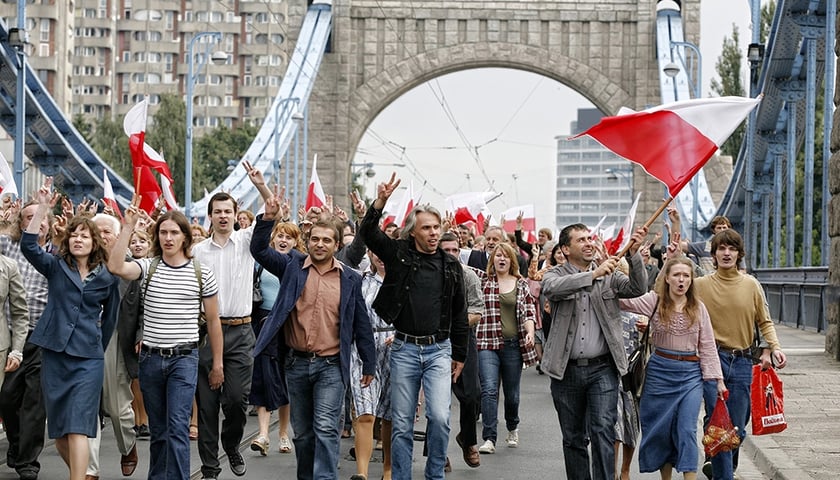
584,354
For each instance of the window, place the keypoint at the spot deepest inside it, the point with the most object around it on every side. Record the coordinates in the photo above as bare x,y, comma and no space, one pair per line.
261,17
103,9
154,57
246,81
140,57
45,30
170,20
168,60
228,100
249,62
126,56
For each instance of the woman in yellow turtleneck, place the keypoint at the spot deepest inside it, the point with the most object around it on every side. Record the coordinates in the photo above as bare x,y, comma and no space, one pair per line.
736,304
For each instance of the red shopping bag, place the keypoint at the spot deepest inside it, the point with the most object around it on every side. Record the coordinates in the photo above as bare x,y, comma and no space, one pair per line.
767,402
721,435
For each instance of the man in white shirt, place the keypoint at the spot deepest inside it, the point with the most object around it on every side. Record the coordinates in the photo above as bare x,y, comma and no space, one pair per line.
227,253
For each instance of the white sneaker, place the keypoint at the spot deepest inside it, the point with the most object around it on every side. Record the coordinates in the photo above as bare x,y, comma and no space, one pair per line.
512,439
487,447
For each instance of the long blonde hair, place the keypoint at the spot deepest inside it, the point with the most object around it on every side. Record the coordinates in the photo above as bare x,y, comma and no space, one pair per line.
510,253
666,304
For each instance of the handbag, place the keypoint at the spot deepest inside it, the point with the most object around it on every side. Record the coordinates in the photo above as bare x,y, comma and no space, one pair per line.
634,380
257,295
767,404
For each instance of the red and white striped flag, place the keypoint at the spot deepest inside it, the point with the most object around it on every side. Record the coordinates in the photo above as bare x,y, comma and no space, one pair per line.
398,212
529,222
7,180
672,142
315,193
470,207
108,198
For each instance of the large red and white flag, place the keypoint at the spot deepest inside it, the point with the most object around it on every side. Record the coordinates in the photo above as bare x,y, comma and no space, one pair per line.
315,193
7,180
397,212
529,222
672,142
134,125
108,197
470,207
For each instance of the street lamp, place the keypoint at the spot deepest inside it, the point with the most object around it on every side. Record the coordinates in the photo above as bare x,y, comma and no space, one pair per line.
369,171
625,174
672,70
18,39
217,58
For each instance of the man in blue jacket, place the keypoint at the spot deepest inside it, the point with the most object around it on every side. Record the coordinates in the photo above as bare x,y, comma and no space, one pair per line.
423,296
319,311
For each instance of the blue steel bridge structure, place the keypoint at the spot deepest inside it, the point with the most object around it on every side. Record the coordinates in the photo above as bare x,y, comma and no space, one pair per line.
796,62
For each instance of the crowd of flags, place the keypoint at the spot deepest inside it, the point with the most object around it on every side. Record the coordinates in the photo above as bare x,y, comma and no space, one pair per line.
670,142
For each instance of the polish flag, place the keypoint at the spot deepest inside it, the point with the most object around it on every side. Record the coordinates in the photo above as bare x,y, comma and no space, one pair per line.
398,212
529,222
315,193
672,142
622,238
108,197
134,125
470,207
7,180
147,186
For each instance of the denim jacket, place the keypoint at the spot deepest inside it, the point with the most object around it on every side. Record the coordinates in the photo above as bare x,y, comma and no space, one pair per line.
400,257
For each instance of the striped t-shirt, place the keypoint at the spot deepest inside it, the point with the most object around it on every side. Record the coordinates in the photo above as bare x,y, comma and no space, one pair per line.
172,303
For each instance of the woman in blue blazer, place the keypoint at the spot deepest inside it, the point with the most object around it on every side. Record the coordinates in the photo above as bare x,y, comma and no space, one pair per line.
73,331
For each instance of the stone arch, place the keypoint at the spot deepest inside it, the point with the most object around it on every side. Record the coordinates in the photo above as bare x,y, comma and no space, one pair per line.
370,98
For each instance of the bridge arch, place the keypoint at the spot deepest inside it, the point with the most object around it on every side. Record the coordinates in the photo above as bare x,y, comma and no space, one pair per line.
375,95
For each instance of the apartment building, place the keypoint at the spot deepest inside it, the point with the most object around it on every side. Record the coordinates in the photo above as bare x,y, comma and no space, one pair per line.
99,57
591,180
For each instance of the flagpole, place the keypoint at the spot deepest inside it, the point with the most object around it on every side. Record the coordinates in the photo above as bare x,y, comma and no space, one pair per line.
649,222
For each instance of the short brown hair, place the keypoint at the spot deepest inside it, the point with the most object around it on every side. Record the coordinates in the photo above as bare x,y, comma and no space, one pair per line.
720,219
728,237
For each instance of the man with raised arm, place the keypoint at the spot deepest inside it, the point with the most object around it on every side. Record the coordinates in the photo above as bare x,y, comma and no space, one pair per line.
584,354
319,312
423,296
175,290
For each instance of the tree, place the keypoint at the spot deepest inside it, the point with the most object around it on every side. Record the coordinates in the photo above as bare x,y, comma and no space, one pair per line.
110,143
83,126
731,82
215,149
166,134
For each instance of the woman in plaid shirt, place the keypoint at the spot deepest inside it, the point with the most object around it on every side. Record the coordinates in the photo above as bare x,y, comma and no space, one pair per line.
505,340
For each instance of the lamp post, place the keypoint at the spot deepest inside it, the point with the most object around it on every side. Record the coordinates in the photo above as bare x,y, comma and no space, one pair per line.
217,57
277,129
18,40
672,70
625,173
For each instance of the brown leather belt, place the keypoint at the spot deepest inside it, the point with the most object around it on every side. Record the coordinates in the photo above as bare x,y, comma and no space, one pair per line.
234,321
683,358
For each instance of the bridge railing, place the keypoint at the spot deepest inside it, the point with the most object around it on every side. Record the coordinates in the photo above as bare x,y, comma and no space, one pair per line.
797,296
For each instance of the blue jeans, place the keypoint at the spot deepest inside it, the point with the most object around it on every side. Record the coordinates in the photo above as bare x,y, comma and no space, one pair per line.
503,365
412,366
168,386
585,402
737,375
316,395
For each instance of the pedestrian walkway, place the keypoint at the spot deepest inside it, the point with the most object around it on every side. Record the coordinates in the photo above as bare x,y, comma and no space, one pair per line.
808,449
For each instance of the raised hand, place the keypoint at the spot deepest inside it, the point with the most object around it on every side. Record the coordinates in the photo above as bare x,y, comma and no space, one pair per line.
45,195
329,207
487,222
67,208
637,239
358,205
254,174
341,214
519,220
132,213
272,208
385,190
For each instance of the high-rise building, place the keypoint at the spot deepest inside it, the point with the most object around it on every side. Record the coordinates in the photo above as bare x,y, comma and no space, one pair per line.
99,57
592,182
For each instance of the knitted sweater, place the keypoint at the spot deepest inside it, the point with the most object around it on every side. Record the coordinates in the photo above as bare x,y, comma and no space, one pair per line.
736,302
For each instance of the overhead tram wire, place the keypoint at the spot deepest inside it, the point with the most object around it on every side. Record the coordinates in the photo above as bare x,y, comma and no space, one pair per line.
441,99
390,146
521,106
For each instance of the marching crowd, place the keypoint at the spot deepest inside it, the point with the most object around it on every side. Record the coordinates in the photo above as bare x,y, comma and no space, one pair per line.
165,328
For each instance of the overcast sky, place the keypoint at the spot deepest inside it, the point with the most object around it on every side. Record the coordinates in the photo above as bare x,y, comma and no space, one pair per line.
511,116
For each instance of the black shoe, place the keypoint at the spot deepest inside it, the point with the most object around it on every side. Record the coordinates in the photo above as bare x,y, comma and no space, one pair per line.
143,431
28,474
707,469
237,463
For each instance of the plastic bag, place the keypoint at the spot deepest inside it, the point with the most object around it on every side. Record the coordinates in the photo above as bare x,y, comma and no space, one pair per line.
767,402
721,435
